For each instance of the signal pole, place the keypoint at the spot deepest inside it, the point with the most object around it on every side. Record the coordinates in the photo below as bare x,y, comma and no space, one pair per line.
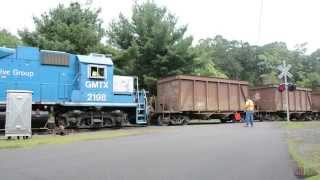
287,94
284,68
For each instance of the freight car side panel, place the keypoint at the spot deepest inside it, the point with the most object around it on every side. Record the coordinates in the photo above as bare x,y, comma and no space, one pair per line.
234,97
304,101
168,96
280,100
316,100
213,96
297,100
244,93
309,100
223,97
201,94
264,99
292,104
186,94
269,99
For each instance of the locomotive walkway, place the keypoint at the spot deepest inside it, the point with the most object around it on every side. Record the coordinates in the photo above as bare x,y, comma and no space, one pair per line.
197,152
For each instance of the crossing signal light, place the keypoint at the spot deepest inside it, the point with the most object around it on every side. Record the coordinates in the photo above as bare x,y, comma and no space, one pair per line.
281,87
292,87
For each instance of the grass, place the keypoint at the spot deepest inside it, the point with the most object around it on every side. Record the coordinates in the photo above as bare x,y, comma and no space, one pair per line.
298,125
55,139
293,125
309,161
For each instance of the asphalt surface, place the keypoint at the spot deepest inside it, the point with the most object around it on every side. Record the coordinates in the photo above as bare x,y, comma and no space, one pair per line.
197,152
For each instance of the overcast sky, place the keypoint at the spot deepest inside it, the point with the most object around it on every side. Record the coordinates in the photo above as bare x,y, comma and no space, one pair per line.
291,21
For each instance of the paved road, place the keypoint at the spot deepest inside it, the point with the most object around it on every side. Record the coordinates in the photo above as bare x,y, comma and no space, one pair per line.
198,152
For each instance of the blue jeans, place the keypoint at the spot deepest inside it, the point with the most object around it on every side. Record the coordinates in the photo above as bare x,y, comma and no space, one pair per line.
249,118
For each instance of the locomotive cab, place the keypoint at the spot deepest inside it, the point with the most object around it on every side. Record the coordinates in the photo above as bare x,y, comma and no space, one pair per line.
113,100
93,80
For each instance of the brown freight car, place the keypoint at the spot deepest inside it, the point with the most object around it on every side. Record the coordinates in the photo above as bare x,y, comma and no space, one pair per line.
182,97
316,100
271,104
316,103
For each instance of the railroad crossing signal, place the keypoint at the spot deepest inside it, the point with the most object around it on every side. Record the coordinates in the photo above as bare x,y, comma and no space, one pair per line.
284,69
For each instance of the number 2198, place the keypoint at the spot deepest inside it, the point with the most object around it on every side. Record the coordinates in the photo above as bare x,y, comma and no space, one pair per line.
96,97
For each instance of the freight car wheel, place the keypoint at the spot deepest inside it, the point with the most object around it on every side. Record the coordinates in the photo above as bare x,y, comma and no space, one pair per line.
223,120
159,121
186,120
176,120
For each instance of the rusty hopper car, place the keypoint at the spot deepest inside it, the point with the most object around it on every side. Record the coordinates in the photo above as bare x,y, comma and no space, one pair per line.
182,97
316,103
271,104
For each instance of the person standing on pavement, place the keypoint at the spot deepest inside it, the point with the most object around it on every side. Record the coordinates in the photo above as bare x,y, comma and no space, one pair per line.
249,109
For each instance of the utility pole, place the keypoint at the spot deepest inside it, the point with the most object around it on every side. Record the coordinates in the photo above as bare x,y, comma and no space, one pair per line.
284,69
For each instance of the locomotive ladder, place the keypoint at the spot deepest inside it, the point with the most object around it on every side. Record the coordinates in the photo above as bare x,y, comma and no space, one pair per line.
141,111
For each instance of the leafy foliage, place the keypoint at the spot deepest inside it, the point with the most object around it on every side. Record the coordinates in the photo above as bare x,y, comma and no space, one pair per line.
72,29
153,45
8,40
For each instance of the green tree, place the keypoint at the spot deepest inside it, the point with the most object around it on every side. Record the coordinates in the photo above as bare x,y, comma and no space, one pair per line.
8,40
310,70
245,55
204,61
222,55
269,57
72,29
151,43
203,64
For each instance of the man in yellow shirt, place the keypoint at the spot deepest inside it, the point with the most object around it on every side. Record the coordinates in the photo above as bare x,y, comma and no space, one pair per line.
249,110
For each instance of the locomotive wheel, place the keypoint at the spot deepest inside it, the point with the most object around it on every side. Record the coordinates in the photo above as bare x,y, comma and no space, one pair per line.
63,121
85,122
107,122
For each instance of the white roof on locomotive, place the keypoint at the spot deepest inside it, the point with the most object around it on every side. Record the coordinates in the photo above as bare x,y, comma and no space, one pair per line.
95,59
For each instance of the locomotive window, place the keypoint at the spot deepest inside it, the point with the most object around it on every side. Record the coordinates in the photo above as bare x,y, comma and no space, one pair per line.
96,72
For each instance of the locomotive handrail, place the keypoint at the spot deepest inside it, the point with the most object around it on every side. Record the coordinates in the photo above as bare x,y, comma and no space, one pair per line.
137,89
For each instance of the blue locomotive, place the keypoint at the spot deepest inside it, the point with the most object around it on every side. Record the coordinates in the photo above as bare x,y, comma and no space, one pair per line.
74,90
